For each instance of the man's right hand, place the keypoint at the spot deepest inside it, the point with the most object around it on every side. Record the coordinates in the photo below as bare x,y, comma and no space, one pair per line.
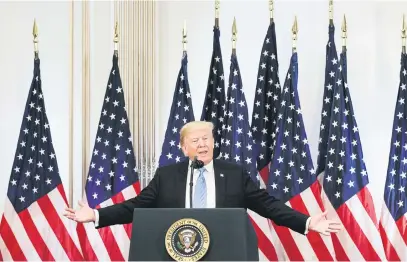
83,214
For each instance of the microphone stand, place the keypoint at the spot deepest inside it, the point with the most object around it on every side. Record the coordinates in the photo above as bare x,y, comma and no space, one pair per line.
191,183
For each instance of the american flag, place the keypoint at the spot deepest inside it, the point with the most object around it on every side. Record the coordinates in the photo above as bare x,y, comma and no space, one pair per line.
346,194
180,114
112,177
331,65
237,147
32,226
267,95
393,215
214,104
292,177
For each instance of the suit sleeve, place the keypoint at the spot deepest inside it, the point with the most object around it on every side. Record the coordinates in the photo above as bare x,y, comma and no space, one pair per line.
261,202
122,213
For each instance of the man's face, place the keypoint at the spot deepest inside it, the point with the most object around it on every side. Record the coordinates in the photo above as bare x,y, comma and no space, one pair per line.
200,143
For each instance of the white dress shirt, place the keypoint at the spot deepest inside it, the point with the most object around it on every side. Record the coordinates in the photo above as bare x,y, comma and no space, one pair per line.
209,175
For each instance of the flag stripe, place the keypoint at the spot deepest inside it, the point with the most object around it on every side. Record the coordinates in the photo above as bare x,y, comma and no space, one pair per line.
315,240
58,228
314,205
278,246
17,227
288,242
62,194
264,174
389,237
356,233
370,230
343,240
11,244
367,202
264,243
340,253
393,241
33,233
390,251
136,187
402,227
127,227
304,246
57,198
87,249
4,254
111,244
265,225
45,231
108,237
316,189
118,231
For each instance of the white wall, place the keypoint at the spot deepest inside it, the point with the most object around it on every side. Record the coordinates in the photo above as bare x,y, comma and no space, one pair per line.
373,55
16,51
374,46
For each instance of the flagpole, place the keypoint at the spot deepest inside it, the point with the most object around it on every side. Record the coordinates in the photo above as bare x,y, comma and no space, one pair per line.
403,35
217,7
331,12
294,31
271,9
116,38
344,33
184,37
234,36
35,40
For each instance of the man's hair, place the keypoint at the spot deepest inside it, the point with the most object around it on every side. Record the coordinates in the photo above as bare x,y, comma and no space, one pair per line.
188,127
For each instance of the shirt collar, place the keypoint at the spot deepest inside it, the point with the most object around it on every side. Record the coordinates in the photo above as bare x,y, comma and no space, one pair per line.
208,167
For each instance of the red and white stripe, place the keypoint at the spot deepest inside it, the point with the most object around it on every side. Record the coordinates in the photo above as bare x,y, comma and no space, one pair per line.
360,239
109,243
40,232
394,235
281,243
313,246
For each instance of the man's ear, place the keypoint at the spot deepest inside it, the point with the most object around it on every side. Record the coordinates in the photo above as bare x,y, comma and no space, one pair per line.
184,150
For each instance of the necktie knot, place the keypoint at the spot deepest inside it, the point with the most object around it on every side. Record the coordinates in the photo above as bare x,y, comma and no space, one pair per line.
201,171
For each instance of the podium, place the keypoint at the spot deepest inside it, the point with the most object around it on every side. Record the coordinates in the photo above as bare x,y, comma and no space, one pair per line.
182,234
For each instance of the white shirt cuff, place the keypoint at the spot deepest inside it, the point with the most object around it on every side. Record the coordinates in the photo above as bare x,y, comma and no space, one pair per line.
307,225
96,217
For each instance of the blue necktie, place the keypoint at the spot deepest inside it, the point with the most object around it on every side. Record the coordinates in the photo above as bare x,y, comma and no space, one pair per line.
200,191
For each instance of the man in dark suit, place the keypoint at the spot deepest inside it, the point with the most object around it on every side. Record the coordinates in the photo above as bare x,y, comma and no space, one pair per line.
218,184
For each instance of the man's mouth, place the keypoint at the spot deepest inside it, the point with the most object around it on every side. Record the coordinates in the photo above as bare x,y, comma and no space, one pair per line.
202,153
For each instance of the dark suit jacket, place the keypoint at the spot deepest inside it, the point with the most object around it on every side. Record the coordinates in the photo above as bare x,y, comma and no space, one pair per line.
234,190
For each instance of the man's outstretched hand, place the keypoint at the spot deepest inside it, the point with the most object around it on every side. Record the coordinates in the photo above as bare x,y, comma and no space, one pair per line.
324,226
83,214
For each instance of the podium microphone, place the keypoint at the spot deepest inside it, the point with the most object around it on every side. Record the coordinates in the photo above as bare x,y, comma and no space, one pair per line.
196,164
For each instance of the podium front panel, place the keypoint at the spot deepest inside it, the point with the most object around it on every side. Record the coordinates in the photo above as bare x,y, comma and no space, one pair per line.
230,232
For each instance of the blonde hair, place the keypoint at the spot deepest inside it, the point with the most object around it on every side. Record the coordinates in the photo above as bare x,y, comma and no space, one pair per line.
188,127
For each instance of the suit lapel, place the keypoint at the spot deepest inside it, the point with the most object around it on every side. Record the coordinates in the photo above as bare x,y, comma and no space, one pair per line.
220,183
182,183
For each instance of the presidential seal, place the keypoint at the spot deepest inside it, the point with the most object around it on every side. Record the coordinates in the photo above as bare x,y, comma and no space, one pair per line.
187,240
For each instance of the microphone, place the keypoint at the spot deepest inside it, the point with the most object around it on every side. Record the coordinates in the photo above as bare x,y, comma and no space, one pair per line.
196,164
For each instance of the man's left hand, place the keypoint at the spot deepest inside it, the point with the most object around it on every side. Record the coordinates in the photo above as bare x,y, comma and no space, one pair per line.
324,226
